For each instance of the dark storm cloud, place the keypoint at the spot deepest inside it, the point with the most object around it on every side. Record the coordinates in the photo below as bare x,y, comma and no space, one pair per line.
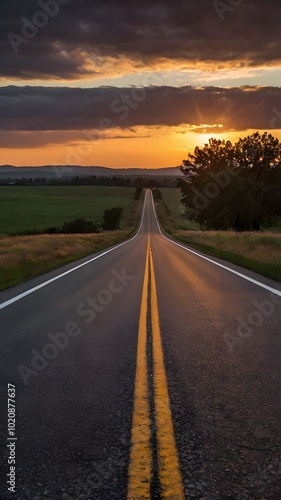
142,31
47,109
26,140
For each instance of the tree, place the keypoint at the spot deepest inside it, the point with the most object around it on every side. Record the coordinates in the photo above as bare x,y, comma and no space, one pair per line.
157,195
138,192
112,218
234,186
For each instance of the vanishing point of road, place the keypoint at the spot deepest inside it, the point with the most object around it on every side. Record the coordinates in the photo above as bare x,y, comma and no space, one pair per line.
149,370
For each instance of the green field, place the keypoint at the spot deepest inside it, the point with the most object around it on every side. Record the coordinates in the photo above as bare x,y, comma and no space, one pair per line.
37,208
23,257
175,210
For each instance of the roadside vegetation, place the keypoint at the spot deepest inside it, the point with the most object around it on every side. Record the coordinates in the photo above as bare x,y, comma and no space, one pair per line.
257,251
234,187
229,203
25,256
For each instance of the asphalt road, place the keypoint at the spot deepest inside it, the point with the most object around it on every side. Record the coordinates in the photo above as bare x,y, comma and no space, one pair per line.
148,372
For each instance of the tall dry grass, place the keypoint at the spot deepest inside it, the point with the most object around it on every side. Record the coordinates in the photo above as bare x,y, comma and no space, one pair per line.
262,247
23,257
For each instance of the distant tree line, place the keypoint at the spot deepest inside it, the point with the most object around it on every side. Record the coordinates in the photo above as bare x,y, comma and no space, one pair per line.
236,186
157,195
148,182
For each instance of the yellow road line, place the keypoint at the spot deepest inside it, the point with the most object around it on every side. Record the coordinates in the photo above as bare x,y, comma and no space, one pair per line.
168,462
140,468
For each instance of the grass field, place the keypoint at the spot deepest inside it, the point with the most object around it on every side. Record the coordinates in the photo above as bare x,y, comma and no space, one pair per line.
23,257
37,208
174,211
24,208
260,252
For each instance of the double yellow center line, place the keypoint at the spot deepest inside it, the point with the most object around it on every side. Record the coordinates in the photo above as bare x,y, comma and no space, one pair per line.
141,457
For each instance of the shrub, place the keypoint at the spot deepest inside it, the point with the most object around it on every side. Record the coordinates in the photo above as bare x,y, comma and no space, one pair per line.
112,218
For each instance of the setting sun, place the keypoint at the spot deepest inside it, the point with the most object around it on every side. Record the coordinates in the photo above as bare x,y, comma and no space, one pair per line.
99,101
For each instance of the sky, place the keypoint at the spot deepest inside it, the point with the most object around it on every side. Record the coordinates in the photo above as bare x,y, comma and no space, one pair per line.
134,83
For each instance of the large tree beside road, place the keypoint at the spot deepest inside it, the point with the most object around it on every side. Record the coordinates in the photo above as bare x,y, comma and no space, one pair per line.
236,186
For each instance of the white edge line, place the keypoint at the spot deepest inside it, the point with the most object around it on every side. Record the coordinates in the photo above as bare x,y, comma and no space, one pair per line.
42,285
247,278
